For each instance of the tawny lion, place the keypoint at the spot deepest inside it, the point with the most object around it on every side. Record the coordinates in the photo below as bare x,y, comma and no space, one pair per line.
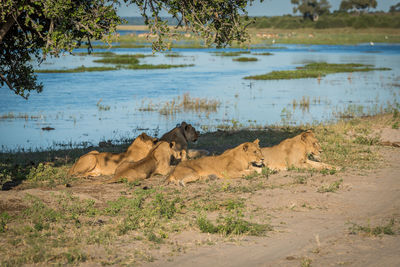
295,152
97,163
157,161
233,163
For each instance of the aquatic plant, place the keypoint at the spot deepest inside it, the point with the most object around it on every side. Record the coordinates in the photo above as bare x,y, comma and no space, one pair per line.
314,70
231,54
78,69
245,59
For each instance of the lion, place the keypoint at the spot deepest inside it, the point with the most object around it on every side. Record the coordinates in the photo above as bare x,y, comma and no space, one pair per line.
182,134
294,152
157,161
95,163
233,163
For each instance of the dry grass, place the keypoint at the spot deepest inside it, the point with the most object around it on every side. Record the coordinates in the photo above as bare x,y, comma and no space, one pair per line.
182,103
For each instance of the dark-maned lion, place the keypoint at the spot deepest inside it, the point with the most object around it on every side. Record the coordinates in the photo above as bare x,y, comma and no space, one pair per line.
294,152
233,163
95,163
158,161
181,135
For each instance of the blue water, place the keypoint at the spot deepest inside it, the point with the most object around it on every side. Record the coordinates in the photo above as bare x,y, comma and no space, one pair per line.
68,101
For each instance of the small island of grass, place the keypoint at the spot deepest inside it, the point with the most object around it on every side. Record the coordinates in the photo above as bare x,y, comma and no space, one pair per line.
314,70
130,62
231,54
78,69
263,54
245,59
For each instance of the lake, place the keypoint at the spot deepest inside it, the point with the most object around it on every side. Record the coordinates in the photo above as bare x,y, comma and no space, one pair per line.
85,108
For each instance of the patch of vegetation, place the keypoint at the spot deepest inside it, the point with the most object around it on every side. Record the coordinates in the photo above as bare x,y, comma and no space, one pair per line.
101,54
173,55
4,218
183,104
102,107
333,187
366,140
231,54
233,224
46,175
119,59
263,54
314,70
158,66
334,20
305,262
11,115
245,59
369,230
78,69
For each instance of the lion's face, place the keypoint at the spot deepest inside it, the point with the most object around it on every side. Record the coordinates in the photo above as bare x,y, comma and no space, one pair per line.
168,151
252,153
313,147
190,132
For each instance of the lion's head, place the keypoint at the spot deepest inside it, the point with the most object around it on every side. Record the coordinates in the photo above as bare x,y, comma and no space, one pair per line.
142,142
167,151
251,152
189,132
313,147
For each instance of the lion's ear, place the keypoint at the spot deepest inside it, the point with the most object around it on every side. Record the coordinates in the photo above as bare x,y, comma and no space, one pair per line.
183,124
172,144
304,136
245,147
256,141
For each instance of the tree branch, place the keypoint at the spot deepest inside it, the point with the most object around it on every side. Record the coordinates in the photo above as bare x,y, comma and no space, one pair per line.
7,82
7,25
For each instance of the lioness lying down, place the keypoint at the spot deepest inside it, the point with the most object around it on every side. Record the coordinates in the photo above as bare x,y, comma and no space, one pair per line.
95,163
294,152
183,134
232,163
157,161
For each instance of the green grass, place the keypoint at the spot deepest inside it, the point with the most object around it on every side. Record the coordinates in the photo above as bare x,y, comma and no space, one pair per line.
119,59
173,55
314,70
158,66
102,54
231,54
333,187
232,224
245,59
386,229
130,62
263,54
78,69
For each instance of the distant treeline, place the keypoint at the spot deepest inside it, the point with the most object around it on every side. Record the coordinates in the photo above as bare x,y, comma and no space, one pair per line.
334,20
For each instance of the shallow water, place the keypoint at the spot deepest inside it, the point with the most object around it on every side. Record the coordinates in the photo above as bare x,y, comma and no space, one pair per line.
69,100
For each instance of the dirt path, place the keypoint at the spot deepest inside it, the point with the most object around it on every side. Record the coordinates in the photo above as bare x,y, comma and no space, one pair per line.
318,235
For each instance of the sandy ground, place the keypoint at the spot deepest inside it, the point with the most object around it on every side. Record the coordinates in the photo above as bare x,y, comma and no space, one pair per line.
320,233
